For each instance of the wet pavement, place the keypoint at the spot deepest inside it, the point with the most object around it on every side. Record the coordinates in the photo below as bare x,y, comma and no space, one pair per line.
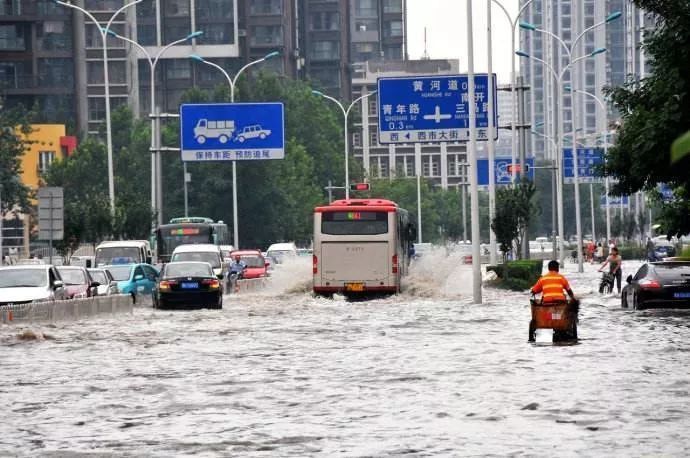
282,373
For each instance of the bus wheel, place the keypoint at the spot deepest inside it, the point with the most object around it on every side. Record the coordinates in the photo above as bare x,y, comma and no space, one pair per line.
223,139
201,139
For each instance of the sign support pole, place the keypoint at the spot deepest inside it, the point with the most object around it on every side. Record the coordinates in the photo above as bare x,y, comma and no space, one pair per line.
419,207
491,141
50,239
472,157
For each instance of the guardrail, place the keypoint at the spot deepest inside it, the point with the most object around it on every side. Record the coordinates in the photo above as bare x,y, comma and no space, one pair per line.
73,309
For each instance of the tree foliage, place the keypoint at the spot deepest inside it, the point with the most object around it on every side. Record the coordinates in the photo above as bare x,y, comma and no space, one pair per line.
14,127
515,207
656,111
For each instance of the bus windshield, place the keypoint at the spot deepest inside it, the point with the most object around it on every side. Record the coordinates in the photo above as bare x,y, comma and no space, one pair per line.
354,223
118,255
170,236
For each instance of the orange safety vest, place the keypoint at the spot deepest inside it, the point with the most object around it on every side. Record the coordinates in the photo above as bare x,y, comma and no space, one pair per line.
551,286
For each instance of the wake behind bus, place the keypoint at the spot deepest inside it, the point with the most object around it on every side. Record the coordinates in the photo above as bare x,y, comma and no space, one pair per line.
189,230
361,246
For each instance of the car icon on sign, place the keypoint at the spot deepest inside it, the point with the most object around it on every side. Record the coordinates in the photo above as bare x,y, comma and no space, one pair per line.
253,131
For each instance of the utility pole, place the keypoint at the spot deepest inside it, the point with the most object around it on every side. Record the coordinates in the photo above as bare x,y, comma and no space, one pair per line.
523,128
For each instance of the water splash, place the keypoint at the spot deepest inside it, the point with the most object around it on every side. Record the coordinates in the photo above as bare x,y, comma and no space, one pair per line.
438,273
292,276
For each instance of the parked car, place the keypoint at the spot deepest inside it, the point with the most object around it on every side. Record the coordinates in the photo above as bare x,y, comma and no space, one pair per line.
188,284
660,284
137,280
664,249
30,283
108,285
201,252
78,282
257,266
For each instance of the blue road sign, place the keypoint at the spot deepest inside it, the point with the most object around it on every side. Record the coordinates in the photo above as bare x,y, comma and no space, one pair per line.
232,131
424,109
501,172
666,193
614,201
588,159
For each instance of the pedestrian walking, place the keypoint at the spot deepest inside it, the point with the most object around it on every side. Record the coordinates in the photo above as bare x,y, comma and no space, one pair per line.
614,262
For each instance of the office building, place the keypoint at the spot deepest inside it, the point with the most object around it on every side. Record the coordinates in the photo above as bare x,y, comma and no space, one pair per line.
444,163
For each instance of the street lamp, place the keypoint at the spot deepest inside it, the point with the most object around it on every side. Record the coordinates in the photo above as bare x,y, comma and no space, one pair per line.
346,112
606,150
156,172
231,82
108,129
570,63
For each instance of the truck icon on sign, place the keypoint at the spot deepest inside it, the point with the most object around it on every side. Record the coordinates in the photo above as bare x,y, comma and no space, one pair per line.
222,130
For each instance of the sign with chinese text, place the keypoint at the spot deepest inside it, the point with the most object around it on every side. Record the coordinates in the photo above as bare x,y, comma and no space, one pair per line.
588,160
424,109
232,131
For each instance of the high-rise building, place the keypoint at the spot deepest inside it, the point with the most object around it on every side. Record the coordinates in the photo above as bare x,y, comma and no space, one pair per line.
37,62
568,19
442,162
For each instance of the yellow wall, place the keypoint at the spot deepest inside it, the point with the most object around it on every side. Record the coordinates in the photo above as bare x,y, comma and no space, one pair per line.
44,137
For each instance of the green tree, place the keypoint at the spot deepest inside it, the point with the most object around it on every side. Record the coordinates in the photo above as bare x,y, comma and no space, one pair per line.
14,127
515,207
655,111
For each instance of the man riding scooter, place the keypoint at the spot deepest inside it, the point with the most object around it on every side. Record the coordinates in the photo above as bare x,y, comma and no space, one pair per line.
236,271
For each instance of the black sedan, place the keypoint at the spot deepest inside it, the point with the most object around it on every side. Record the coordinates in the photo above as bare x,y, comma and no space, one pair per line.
188,284
658,284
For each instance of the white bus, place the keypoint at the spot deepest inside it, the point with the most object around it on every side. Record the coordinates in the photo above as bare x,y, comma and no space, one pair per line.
123,252
361,246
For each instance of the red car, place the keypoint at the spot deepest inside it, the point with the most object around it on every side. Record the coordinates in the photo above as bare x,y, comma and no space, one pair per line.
257,266
78,282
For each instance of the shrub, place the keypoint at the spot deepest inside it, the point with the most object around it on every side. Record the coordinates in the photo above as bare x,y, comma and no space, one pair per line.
632,252
518,275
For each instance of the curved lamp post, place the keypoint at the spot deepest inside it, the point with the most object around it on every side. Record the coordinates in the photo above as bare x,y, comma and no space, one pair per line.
108,128
232,82
156,172
570,63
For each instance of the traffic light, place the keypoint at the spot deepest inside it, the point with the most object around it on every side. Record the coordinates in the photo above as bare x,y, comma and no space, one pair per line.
359,186
510,168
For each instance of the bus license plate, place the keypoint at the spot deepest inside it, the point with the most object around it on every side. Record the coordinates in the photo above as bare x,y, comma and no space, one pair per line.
355,287
681,295
192,285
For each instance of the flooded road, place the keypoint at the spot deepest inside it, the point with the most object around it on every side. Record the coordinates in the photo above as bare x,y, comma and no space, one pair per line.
284,374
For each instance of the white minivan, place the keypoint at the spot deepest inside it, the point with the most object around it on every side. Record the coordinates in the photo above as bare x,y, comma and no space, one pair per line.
201,252
282,251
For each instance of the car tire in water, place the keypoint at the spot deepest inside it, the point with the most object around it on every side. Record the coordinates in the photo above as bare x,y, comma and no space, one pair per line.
624,300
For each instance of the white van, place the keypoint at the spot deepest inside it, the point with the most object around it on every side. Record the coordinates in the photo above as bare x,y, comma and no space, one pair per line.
282,251
123,252
201,252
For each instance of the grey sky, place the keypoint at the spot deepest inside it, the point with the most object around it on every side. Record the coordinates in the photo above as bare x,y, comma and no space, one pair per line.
445,21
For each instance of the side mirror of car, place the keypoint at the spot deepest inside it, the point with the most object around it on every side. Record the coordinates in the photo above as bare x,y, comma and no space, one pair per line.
112,283
138,277
629,279
95,284
267,264
58,284
220,276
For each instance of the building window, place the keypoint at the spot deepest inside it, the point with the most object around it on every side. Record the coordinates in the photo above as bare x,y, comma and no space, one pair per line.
262,35
326,77
55,72
363,51
325,20
366,8
435,166
393,52
266,7
96,108
45,158
326,50
393,29
12,37
372,106
218,34
366,24
178,69
117,72
357,139
392,6
94,40
409,166
373,138
214,9
53,35
176,8
425,167
385,170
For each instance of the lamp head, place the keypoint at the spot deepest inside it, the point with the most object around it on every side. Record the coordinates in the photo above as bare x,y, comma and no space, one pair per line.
522,53
568,88
198,33
196,58
315,92
527,26
613,16
109,32
598,51
272,54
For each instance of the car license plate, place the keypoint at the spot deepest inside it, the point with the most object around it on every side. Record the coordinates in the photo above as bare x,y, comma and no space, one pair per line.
354,287
684,295
192,285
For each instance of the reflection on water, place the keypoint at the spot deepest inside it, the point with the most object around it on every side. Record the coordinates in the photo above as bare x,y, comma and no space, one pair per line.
287,374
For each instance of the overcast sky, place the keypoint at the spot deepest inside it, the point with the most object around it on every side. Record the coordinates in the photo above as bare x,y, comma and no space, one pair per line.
446,34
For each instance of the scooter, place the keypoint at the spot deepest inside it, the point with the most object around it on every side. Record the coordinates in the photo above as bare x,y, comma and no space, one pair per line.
606,284
232,281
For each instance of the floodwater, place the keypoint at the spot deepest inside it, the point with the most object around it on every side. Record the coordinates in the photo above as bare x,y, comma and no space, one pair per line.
281,373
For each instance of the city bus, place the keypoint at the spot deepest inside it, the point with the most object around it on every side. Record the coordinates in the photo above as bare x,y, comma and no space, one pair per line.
188,230
361,246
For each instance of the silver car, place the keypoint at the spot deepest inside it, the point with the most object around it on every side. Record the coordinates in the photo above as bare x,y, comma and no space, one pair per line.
30,283
107,285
